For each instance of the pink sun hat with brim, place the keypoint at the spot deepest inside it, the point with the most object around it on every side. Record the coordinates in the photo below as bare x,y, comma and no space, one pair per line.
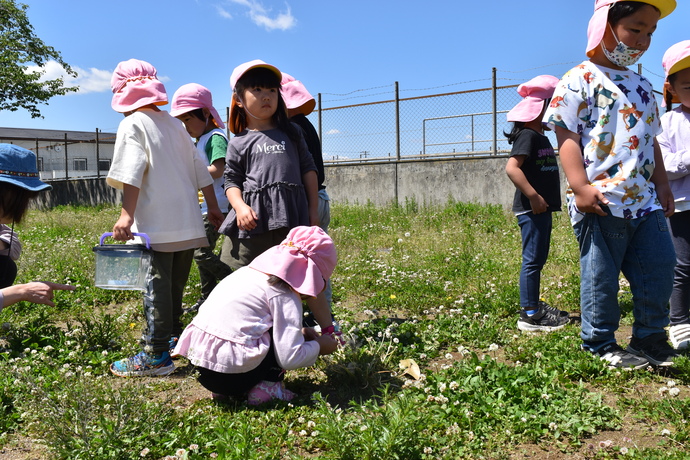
296,96
244,68
599,20
305,260
535,92
676,58
193,96
135,84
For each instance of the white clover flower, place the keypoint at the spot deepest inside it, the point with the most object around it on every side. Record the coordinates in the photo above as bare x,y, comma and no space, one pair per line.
538,355
311,424
605,444
407,234
665,432
303,433
478,368
674,391
448,356
523,419
180,452
301,420
400,240
670,384
493,347
545,396
553,426
453,385
442,387
428,450
624,451
663,390
144,452
363,428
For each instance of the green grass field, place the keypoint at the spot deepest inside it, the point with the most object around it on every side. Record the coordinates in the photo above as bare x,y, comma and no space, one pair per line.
429,287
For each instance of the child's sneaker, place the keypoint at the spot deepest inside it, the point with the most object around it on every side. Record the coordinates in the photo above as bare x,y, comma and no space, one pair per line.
553,310
264,391
143,365
617,358
542,321
655,348
172,344
680,336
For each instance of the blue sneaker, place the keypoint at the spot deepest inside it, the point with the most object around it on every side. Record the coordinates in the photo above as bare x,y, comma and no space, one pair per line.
172,344
143,365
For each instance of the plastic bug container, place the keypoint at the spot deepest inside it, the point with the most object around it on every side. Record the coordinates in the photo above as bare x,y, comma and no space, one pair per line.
122,266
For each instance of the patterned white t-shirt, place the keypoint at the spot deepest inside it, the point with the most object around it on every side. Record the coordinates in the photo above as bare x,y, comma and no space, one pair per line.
617,118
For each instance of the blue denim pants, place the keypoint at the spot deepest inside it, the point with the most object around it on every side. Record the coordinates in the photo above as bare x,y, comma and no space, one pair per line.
536,240
642,250
680,297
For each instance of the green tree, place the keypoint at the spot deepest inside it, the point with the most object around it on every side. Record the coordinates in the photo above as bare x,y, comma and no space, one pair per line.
19,48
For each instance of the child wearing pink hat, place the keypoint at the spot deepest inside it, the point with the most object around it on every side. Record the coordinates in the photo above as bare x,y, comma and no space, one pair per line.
270,176
606,119
533,168
674,142
152,151
250,328
192,104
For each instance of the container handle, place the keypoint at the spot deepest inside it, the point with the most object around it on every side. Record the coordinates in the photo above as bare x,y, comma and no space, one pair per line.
143,235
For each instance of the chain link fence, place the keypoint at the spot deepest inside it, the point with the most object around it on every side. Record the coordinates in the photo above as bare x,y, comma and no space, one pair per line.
451,125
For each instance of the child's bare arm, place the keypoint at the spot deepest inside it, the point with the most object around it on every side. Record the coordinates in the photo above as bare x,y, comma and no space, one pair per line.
517,176
122,230
587,197
660,180
246,217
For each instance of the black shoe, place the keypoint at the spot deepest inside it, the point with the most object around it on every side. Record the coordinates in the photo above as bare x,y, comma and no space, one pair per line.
542,321
617,358
655,348
194,308
553,310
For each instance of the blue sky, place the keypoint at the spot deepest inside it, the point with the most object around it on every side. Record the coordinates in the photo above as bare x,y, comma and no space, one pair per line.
351,52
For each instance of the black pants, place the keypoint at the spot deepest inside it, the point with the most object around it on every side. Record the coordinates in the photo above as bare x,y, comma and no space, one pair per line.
8,271
237,385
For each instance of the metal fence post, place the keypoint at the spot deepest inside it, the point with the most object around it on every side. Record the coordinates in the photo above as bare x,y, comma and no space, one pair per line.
397,122
98,158
66,160
320,112
494,109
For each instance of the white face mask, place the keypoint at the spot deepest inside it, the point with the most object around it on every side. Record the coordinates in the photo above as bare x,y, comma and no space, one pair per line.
622,55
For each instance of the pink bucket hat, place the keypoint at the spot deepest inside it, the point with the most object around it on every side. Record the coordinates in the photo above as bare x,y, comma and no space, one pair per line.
193,96
304,260
243,68
677,57
135,84
296,95
535,92
597,24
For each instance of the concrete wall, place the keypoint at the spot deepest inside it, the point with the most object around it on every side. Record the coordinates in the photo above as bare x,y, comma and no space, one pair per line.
427,182
430,182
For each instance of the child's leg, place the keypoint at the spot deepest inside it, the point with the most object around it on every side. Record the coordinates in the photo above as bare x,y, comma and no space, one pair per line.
182,263
603,244
648,266
536,239
211,268
680,296
163,297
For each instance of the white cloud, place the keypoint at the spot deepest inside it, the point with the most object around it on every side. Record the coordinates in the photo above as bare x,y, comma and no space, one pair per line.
262,17
89,81
223,13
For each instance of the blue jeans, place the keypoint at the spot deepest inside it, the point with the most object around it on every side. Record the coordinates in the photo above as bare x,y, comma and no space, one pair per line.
680,297
641,248
536,240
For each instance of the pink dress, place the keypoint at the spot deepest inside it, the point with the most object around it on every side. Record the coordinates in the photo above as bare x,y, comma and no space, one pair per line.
231,332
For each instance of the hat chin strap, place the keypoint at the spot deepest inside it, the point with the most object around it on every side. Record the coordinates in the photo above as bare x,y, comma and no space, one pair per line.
244,106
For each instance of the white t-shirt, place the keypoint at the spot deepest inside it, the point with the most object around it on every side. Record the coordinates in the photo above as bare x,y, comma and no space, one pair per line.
154,153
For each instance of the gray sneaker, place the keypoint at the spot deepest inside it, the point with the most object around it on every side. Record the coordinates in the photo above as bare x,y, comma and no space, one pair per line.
553,310
542,321
617,358
655,348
